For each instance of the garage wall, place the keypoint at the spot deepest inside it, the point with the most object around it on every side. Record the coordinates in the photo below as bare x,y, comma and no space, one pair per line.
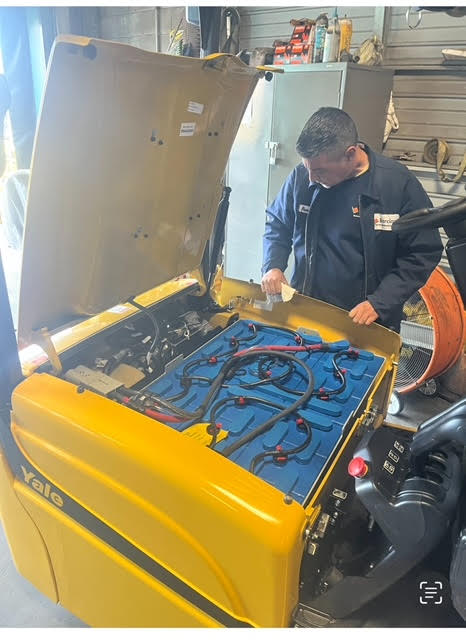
430,100
260,26
138,25
423,44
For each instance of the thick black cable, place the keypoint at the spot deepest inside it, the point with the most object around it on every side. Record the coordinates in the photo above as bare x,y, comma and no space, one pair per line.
282,414
284,453
156,328
238,400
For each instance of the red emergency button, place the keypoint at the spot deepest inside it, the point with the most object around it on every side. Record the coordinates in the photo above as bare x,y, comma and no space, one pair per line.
358,468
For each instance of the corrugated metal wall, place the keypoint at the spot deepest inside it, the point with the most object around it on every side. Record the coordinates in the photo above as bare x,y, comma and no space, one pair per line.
423,44
138,25
260,26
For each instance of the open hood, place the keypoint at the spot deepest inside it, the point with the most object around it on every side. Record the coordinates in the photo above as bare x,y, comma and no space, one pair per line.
126,177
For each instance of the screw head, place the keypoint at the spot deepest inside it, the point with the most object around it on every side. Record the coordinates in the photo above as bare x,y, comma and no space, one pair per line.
287,499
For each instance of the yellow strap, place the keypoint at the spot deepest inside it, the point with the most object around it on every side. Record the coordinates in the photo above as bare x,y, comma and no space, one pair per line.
436,151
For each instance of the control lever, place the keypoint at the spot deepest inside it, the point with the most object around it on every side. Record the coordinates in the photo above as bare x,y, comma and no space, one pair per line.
448,427
413,512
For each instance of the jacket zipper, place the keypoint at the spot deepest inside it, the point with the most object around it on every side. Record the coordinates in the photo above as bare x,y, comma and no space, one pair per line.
364,252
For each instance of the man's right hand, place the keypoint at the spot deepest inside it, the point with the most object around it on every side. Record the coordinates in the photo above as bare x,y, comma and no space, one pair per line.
272,281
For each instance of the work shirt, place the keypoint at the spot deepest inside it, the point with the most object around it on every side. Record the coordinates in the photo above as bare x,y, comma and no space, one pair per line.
394,266
339,265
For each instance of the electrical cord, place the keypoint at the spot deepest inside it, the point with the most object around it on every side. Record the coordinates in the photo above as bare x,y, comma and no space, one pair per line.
238,400
156,328
265,374
268,424
296,336
280,454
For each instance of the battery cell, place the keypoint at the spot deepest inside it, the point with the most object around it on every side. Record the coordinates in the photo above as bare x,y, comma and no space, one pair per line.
329,419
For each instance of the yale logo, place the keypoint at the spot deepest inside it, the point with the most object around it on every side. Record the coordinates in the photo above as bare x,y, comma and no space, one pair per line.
40,487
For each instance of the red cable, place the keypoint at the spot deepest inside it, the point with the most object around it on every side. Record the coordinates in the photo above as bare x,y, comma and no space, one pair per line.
162,416
156,414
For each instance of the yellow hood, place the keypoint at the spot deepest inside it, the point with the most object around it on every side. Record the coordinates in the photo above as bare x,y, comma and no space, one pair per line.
128,161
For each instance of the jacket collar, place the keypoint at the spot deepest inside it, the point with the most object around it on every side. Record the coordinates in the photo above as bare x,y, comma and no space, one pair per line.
370,190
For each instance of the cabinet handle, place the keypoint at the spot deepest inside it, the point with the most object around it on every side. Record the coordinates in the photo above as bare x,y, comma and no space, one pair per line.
273,148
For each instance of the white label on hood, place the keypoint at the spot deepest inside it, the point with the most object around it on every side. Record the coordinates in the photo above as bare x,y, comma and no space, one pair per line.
195,107
187,128
384,221
119,308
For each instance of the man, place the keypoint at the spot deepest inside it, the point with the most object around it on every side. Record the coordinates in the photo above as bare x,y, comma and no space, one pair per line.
329,210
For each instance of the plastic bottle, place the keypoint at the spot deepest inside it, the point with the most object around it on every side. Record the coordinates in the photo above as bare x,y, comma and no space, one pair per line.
332,40
321,31
311,42
346,31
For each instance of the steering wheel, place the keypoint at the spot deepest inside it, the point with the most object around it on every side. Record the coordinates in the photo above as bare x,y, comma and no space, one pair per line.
432,218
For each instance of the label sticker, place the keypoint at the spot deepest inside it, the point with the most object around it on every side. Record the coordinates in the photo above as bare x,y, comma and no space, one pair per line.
384,221
195,107
187,128
119,308
200,433
304,208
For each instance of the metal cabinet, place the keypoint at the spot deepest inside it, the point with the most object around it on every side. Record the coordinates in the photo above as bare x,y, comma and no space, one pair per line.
264,152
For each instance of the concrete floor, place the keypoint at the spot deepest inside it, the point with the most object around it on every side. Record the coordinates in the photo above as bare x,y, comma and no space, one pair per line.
21,605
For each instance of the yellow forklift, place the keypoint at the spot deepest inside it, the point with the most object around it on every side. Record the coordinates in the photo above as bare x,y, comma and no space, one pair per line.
175,451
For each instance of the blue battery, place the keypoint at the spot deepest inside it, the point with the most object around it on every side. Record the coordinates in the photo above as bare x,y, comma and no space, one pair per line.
296,474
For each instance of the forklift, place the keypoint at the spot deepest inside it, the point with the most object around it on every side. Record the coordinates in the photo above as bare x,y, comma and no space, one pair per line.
174,450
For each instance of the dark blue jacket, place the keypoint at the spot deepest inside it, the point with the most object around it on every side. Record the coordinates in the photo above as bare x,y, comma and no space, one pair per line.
395,265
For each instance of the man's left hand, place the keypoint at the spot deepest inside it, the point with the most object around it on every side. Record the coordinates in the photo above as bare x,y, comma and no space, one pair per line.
363,313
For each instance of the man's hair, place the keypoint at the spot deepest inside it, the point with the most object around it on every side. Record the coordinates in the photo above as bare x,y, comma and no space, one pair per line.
329,130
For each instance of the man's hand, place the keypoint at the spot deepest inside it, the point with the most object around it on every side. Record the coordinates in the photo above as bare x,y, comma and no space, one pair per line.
272,281
363,313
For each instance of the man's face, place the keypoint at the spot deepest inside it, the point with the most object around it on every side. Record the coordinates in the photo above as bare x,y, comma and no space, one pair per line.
329,171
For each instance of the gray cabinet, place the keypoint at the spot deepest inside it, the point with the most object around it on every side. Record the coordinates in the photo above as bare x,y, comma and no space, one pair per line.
264,152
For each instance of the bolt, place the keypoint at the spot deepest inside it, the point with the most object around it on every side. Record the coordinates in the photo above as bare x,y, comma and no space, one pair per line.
288,499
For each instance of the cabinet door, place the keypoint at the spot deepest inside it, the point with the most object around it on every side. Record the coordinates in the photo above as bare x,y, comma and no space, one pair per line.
297,95
248,168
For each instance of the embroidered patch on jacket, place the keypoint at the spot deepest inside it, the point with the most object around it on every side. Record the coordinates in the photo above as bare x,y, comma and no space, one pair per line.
384,221
304,208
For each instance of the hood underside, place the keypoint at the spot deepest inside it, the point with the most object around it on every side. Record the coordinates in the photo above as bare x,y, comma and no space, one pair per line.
127,173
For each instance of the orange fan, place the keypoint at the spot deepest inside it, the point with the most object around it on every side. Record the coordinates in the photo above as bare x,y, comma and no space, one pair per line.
432,333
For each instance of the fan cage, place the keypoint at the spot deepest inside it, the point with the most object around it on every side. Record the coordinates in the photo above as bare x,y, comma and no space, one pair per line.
417,335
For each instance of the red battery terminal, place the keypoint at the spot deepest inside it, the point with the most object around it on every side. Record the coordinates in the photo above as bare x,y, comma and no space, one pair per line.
279,458
213,360
323,395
